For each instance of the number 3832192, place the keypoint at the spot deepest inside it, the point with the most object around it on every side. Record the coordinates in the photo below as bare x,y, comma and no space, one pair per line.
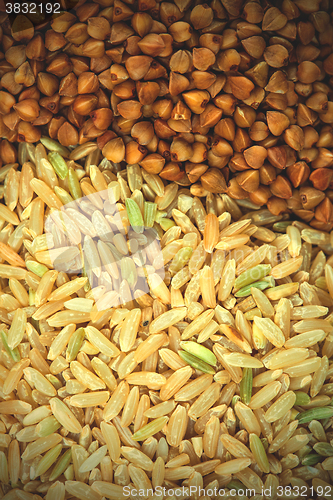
304,491
32,8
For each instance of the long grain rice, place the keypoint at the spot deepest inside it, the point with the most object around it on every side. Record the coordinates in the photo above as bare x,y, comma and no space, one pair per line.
181,359
233,466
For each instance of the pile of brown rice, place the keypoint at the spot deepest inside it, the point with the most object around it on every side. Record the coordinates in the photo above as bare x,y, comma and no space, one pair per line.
217,377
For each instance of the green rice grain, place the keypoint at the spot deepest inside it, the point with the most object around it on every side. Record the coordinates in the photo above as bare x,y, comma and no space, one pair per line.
13,353
245,386
315,414
196,363
134,215
59,164
199,351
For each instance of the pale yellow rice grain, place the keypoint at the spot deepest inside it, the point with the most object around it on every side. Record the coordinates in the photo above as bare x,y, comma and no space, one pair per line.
227,280
211,436
116,402
40,446
167,319
129,330
242,360
112,440
295,244
81,490
90,399
294,444
130,407
65,416
14,461
140,420
252,259
250,480
235,447
329,279
265,395
228,243
101,342
198,324
319,377
65,318
174,383
286,268
79,304
194,388
14,376
248,419
303,368
93,460
15,406
308,312
137,458
208,331
86,377
150,379
307,325
176,426
234,371
263,303
286,358
67,289
17,329
233,466
171,359
105,489
207,287
271,331
205,401
60,342
280,406
178,473
40,382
